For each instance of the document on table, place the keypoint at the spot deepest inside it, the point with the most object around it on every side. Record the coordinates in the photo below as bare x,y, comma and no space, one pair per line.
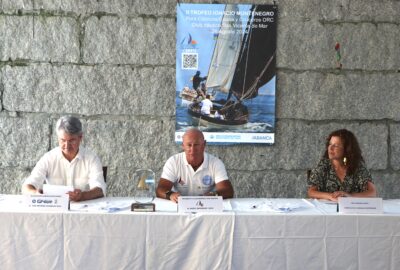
56,189
110,206
327,207
271,205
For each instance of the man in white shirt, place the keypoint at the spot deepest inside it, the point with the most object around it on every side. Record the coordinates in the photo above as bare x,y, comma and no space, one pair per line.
69,164
193,172
206,105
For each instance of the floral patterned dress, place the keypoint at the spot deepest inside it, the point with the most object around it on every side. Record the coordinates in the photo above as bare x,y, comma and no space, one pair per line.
326,180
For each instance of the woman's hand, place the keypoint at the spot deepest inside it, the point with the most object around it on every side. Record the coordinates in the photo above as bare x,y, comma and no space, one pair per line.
338,194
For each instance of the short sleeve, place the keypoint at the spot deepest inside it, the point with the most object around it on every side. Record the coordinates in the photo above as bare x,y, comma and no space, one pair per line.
96,177
318,175
220,171
169,169
363,176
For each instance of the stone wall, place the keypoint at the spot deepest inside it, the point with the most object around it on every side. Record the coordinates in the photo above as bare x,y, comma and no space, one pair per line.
112,63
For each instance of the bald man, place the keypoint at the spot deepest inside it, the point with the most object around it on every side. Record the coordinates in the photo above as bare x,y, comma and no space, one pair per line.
193,172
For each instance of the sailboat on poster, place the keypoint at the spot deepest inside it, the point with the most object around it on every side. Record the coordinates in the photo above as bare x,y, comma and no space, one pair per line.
243,61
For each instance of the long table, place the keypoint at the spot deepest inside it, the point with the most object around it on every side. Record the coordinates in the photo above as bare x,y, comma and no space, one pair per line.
249,234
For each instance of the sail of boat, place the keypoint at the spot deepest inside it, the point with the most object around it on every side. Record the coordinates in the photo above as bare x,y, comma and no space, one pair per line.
256,63
226,51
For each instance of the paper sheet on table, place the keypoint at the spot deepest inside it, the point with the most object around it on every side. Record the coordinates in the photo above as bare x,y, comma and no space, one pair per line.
227,205
327,207
391,206
11,202
104,206
275,205
56,189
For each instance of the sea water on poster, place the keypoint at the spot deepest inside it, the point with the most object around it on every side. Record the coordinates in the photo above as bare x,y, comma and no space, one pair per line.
198,28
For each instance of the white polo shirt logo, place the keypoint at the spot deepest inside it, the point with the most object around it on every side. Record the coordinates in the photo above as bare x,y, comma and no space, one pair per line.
207,180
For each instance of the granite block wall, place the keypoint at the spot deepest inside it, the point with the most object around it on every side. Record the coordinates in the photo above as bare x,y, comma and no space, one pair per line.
112,63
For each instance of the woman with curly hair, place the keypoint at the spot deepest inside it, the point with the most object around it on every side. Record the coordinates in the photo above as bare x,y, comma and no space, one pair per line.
341,172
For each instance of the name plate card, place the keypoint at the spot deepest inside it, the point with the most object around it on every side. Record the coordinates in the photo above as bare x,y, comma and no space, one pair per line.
353,205
47,202
194,204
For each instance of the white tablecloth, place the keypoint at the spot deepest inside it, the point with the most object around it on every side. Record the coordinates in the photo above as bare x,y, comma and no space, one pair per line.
250,234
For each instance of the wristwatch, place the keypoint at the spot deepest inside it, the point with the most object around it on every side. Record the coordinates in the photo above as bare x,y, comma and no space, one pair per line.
168,194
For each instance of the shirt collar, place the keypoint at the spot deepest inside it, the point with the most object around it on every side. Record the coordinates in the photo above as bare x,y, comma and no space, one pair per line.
80,154
203,165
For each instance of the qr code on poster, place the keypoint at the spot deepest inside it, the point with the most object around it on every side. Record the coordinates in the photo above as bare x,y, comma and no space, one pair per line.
190,61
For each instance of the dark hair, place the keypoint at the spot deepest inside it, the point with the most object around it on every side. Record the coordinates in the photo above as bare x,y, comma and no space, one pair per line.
351,149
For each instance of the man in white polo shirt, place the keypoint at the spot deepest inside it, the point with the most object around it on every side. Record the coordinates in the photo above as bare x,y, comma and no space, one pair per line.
69,164
193,172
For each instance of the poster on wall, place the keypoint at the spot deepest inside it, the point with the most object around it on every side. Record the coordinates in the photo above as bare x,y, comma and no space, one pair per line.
226,72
